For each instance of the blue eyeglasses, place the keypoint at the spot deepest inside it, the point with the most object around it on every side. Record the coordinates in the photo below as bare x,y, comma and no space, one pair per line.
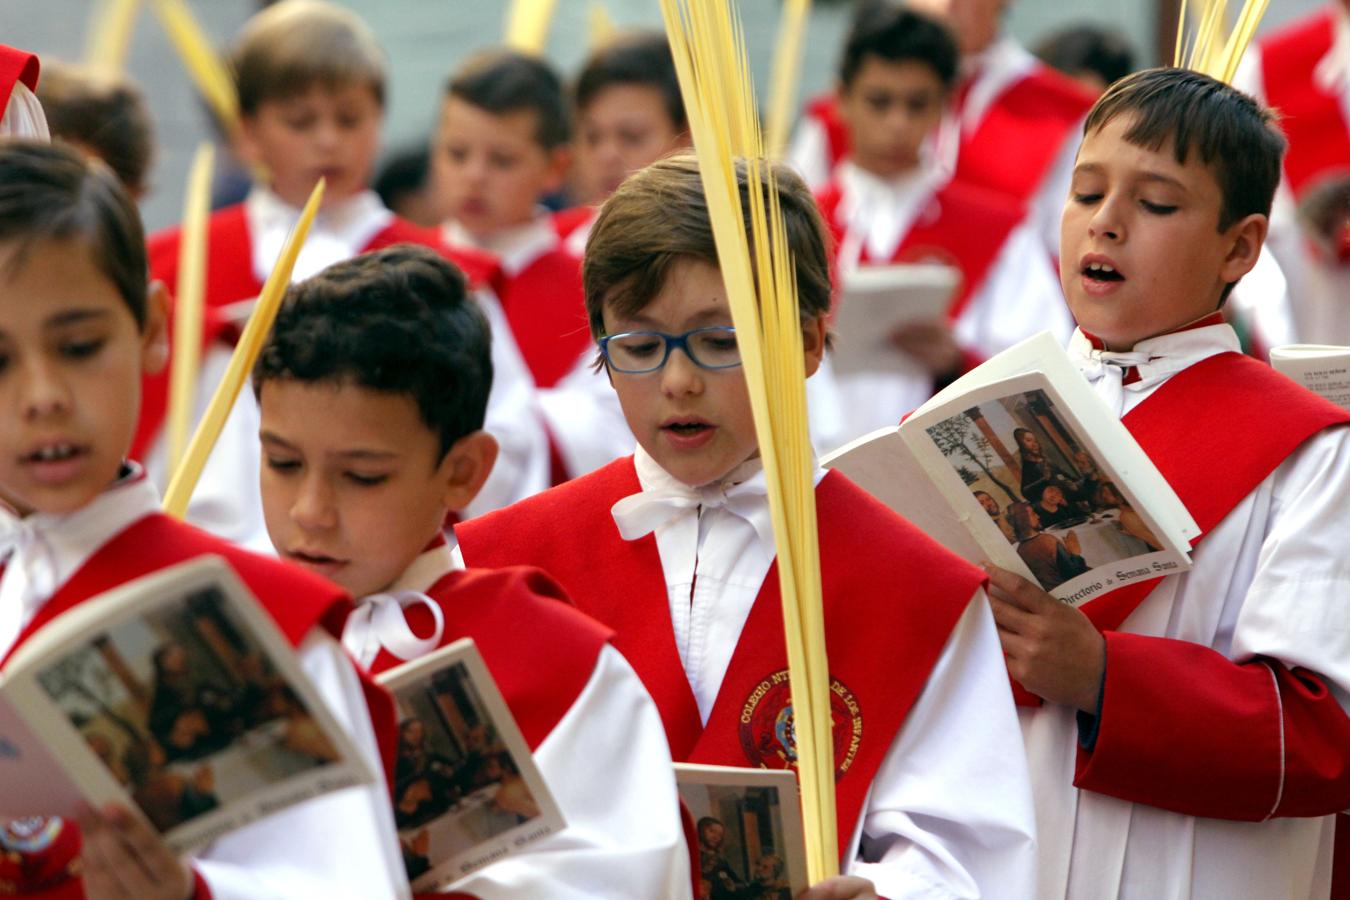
636,352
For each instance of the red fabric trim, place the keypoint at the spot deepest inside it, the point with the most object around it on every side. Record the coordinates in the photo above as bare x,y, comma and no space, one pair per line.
621,583
523,625
1021,133
546,308
824,110
1186,729
16,66
200,889
1312,119
296,600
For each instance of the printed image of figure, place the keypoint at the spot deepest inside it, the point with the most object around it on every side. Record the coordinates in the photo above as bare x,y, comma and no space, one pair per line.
1050,560
1107,497
991,506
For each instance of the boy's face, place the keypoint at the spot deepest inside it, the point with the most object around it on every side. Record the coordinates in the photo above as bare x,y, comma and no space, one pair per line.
1141,253
624,128
353,483
71,360
318,133
488,169
696,423
890,108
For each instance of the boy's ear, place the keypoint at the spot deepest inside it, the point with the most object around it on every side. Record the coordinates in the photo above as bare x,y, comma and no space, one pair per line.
466,467
155,335
813,343
1247,235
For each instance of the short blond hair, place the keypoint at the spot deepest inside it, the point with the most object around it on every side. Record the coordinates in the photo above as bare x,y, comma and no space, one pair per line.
291,46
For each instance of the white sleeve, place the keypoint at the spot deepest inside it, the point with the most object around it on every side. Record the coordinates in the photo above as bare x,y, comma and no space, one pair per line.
226,501
1020,296
608,765
585,419
512,418
23,116
950,811
1294,608
341,845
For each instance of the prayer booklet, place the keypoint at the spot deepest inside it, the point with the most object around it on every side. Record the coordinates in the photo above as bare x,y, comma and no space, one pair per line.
175,695
1019,463
874,301
749,827
1321,368
466,790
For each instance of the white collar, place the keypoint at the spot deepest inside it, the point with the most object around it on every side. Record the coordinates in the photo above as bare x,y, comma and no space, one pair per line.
516,247
342,229
1157,359
41,551
378,621
876,213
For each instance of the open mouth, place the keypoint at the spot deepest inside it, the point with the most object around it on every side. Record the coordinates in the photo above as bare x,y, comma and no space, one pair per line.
1102,272
687,428
315,559
51,453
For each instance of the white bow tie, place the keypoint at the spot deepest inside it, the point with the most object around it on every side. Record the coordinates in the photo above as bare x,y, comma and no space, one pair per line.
378,622
1105,369
26,548
640,514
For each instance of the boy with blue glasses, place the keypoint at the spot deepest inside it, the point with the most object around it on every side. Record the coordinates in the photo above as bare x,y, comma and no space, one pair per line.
672,548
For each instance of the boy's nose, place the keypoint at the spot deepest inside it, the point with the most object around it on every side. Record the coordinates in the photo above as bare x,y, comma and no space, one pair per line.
1106,221
44,392
313,509
680,377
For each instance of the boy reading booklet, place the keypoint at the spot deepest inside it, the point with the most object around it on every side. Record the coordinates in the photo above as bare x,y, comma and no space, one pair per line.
672,549
311,81
1195,742
890,202
372,389
78,327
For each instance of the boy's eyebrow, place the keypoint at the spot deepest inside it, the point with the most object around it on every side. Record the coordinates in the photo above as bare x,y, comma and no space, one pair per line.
1147,175
75,316
640,322
271,437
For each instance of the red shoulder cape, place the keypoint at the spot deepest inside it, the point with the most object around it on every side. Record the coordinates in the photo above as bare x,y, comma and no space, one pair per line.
546,308
962,225
621,584
16,67
1312,119
540,650
1011,149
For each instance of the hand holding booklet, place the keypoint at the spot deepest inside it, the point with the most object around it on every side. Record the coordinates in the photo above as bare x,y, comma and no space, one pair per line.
466,790
176,696
875,301
1020,464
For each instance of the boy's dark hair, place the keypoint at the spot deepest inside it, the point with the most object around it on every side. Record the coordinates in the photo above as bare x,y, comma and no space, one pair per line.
1236,137
642,58
51,192
504,81
659,216
1088,48
101,111
398,320
897,34
289,47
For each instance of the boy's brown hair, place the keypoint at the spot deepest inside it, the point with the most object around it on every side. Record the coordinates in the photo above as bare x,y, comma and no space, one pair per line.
102,112
1236,137
660,216
291,46
504,81
641,58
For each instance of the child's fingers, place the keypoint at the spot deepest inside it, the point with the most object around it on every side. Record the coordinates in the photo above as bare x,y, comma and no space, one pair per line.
1008,616
841,887
103,861
1017,590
